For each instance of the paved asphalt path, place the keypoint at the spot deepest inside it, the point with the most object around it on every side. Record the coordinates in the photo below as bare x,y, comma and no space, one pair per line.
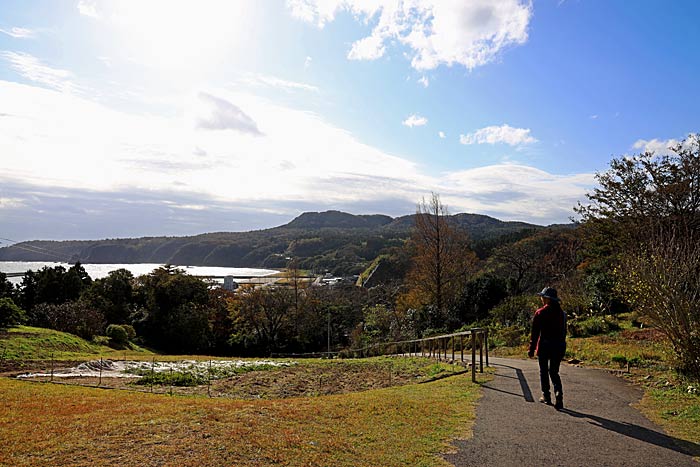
598,426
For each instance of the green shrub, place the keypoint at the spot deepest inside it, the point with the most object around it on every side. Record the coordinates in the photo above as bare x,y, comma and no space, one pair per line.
515,311
175,378
619,359
100,340
10,314
511,336
592,326
118,336
130,331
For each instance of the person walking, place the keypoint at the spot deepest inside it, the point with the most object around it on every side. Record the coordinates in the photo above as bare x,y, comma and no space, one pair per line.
548,342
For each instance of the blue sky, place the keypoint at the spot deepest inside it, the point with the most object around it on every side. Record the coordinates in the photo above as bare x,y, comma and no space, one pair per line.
130,118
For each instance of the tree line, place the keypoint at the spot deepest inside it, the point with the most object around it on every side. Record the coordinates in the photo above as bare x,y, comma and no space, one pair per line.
633,249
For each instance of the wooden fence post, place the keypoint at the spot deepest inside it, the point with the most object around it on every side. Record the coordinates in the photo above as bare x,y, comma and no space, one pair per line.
473,357
209,380
481,352
486,345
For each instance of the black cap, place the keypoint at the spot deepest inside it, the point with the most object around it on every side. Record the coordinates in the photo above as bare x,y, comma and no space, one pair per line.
549,292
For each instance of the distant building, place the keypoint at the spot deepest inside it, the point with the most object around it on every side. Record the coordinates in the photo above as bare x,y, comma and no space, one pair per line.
229,283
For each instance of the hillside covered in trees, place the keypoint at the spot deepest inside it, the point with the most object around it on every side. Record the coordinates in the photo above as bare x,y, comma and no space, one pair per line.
332,241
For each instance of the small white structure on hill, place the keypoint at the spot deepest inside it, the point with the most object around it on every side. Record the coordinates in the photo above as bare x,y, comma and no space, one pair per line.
229,283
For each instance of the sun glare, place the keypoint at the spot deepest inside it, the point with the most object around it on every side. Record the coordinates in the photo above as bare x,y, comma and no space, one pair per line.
187,37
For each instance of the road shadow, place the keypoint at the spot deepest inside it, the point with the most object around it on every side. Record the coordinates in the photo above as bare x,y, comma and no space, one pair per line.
640,433
524,387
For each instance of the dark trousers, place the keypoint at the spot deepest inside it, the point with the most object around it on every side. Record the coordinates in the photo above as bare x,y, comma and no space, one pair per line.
549,368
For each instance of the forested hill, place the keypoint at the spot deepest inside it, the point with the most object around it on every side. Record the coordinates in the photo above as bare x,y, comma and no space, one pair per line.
336,241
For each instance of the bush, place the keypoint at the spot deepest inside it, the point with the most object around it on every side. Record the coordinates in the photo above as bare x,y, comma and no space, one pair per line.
100,340
72,317
511,336
516,311
10,314
130,331
593,326
118,336
175,378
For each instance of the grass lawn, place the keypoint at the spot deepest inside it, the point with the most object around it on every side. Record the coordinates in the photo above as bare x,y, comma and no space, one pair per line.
49,424
24,343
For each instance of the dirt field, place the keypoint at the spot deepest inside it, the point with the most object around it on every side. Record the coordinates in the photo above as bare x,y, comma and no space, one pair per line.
306,378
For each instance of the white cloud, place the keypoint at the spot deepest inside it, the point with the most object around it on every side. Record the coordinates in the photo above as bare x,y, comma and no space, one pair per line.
593,117
499,134
438,32
11,203
369,48
424,81
31,68
274,82
88,8
220,114
441,134
18,33
66,143
307,62
414,120
517,192
658,147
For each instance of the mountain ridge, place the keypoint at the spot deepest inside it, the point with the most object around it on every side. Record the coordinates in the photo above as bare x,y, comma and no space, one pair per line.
330,240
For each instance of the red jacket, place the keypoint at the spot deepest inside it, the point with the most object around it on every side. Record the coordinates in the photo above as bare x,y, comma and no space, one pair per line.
548,328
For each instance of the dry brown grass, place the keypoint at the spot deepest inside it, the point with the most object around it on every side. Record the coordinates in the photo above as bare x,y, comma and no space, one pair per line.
48,424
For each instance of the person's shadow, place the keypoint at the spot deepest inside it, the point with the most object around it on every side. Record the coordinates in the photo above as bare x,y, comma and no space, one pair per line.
640,433
524,387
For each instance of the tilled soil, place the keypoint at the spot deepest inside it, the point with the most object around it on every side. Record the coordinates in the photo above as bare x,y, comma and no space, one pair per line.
302,380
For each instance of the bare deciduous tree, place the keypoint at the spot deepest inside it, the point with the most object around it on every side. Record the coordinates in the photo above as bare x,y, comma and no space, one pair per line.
442,259
662,279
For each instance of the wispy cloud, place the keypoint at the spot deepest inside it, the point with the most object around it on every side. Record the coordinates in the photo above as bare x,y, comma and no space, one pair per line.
499,134
127,169
19,33
307,62
414,120
31,68
438,32
424,81
279,83
223,115
518,192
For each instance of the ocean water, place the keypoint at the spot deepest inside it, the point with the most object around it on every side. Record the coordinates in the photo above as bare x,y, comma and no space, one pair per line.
98,271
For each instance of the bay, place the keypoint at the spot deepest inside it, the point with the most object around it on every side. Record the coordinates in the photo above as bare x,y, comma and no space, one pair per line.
98,271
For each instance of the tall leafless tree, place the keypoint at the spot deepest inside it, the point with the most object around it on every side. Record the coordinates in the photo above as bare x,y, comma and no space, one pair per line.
442,259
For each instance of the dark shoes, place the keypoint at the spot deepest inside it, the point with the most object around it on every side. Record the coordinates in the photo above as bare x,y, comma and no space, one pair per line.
559,400
559,404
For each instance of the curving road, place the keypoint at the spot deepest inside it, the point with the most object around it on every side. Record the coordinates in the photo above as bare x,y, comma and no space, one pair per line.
598,426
